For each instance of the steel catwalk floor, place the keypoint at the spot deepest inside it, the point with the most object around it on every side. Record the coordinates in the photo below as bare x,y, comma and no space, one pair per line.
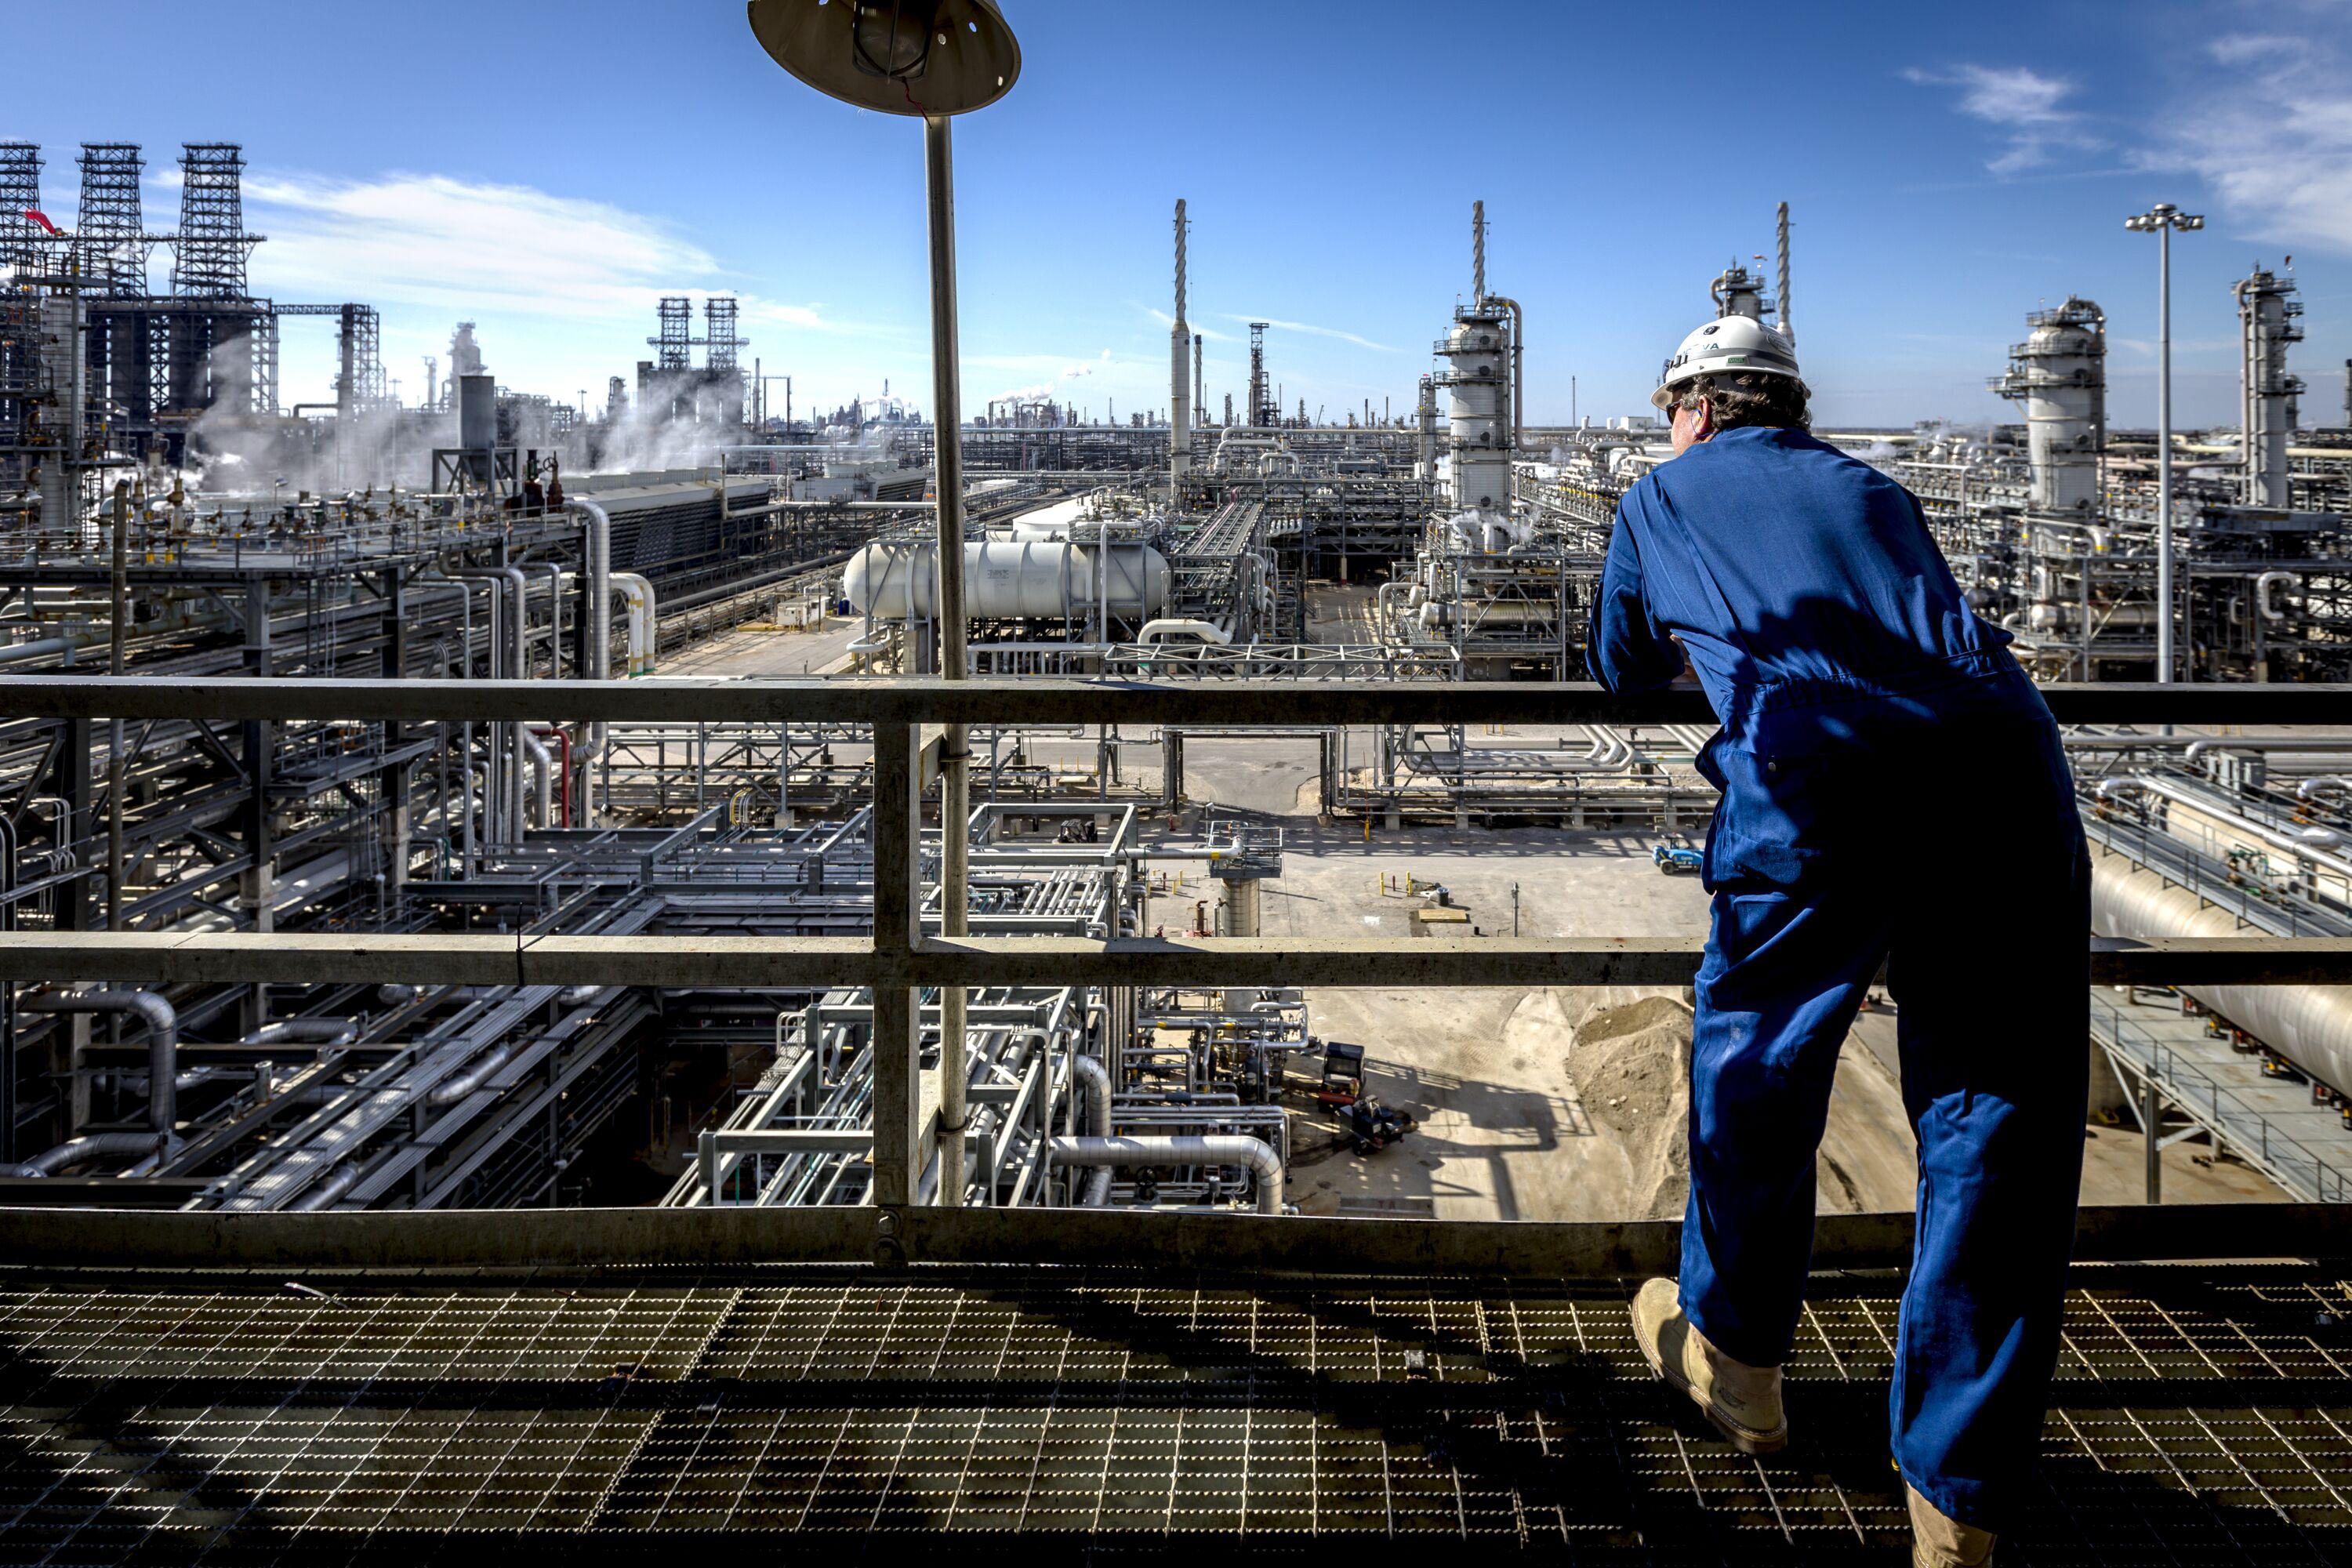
2205,1417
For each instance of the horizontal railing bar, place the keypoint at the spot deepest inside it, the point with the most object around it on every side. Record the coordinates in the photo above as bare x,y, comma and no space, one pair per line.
1224,703
792,1140
740,1234
248,958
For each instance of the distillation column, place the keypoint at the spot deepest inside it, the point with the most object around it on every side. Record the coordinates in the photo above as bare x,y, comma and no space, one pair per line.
1180,381
2269,318
1477,385
2059,373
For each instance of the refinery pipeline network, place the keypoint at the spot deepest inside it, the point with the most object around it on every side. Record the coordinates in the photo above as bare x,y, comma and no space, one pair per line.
579,972
486,533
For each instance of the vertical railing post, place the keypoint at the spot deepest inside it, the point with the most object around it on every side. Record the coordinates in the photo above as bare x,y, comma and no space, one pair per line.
898,911
955,753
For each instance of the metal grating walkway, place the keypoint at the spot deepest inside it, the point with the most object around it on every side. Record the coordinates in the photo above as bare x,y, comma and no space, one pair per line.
2206,1418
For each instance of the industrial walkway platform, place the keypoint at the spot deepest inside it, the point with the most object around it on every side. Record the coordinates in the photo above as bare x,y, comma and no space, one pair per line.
1039,1413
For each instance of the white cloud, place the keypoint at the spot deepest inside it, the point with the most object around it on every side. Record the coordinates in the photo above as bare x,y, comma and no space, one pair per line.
2237,49
2012,95
430,240
561,286
2024,104
1360,343
2272,136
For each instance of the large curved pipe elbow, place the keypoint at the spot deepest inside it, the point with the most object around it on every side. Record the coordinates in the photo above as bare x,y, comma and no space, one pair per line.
1164,1152
79,1150
162,1023
2263,586
1094,1079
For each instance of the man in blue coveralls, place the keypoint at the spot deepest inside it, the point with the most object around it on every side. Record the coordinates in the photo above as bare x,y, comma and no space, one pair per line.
1894,791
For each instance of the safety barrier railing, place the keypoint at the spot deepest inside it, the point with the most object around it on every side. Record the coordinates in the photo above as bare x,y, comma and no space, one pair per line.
2246,1127
900,956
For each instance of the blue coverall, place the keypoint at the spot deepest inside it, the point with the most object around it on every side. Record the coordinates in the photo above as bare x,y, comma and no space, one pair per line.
1894,789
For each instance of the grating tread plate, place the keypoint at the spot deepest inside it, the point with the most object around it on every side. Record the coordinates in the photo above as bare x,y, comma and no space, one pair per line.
2204,1416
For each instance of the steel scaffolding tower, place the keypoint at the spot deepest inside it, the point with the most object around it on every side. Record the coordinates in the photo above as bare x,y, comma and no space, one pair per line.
110,229
719,324
676,338
20,192
1261,409
360,385
208,260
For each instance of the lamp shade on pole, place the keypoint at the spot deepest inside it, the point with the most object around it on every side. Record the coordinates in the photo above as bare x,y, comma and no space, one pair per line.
919,58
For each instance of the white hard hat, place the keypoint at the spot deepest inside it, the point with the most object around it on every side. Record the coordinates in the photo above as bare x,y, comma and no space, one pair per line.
1727,343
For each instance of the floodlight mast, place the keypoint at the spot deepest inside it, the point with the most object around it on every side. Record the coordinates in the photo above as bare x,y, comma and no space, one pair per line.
2161,219
934,59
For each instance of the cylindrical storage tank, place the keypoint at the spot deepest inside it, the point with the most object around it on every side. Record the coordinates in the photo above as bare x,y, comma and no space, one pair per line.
1007,580
2310,1026
477,412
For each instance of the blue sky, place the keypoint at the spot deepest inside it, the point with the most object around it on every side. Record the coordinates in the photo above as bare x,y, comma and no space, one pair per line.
547,170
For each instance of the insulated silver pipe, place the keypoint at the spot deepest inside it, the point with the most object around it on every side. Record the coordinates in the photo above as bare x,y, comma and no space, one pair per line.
2222,810
90,1146
1094,1079
2310,1026
450,1091
542,788
162,1023
554,571
600,644
516,748
1518,373
303,1031
339,1181
1162,1152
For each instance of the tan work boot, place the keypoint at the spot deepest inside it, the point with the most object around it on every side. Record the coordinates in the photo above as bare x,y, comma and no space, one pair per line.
1744,1402
1937,1542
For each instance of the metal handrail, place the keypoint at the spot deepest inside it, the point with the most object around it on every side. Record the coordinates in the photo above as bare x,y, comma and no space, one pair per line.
2184,1081
903,954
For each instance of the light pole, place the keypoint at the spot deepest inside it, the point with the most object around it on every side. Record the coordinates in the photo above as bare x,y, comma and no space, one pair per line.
2163,218
931,59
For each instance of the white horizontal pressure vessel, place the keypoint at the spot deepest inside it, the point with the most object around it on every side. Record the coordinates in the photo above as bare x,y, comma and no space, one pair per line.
1008,579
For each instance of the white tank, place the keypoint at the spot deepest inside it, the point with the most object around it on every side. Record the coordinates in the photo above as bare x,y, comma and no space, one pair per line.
2059,373
1008,579
1048,522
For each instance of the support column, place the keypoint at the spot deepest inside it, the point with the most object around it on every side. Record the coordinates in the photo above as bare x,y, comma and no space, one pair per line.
898,913
393,782
258,887
955,753
2151,1110
77,905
